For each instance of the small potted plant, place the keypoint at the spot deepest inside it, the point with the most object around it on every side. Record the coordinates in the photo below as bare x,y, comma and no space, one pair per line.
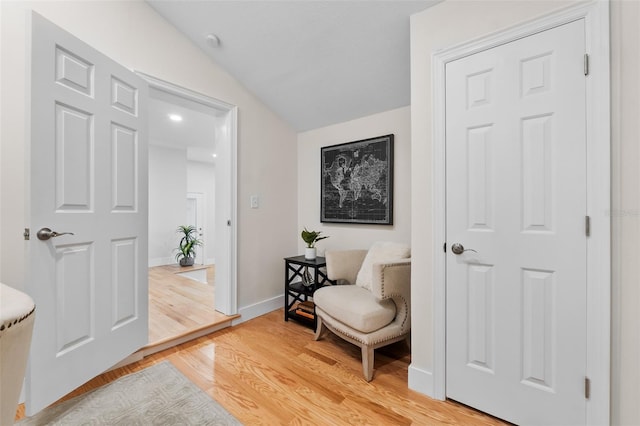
311,238
187,247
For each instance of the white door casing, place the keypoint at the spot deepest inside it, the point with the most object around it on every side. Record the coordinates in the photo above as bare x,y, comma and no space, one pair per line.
88,175
196,217
226,218
225,253
596,17
516,193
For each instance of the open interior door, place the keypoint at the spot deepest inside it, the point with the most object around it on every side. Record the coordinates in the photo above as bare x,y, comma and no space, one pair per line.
88,172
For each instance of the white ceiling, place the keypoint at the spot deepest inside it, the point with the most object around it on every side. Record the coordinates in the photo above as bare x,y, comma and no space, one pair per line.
314,63
196,133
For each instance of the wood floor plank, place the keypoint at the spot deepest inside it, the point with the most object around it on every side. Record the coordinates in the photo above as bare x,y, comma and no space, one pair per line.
270,372
180,305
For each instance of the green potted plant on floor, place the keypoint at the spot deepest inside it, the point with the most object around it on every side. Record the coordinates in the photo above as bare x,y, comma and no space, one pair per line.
311,238
188,242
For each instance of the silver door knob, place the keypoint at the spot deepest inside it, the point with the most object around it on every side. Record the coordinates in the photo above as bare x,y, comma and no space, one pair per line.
45,233
458,248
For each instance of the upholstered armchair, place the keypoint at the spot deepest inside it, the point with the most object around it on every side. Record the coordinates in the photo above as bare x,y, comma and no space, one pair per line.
16,326
373,309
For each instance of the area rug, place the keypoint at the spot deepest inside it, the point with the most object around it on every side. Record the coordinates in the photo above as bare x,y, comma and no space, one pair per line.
157,395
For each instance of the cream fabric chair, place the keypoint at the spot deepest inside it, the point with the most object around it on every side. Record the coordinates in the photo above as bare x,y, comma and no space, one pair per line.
16,324
370,314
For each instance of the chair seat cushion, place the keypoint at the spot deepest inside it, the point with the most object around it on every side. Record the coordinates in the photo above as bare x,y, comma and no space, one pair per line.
355,306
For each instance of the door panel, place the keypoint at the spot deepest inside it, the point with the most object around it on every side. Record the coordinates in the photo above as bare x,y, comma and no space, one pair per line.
516,195
74,285
124,146
74,159
88,176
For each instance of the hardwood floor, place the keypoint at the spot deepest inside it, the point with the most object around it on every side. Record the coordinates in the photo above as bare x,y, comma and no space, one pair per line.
179,305
270,372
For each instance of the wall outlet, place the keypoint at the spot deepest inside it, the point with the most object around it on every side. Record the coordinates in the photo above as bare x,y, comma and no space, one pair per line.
254,202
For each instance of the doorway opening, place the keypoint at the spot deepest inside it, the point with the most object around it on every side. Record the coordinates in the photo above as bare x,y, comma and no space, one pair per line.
191,182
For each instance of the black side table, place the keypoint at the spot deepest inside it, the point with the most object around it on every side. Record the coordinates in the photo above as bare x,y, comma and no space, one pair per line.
297,288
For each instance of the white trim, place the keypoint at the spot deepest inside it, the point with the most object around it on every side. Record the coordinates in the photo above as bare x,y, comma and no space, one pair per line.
257,309
183,92
439,230
201,220
231,304
598,208
421,380
596,16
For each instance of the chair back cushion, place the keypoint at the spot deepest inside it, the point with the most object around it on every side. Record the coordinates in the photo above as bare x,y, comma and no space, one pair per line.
378,253
355,307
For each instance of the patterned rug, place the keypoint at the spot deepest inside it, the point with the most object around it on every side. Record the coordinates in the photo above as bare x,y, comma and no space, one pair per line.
157,395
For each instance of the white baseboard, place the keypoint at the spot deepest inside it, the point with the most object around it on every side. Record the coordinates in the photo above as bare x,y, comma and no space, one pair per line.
258,309
421,381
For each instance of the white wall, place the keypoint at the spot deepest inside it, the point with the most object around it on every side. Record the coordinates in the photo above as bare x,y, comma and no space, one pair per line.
167,201
625,120
438,28
201,178
343,236
131,33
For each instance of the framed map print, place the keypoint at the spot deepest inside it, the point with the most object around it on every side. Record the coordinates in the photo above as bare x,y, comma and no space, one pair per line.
357,182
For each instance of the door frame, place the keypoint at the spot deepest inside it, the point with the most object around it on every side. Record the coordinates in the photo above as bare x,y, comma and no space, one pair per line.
596,16
201,215
228,306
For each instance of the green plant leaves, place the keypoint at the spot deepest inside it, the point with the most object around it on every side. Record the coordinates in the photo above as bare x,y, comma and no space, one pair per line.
311,237
188,242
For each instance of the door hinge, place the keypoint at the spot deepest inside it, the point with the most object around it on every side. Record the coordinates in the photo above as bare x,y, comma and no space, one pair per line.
444,247
586,64
587,388
26,234
587,226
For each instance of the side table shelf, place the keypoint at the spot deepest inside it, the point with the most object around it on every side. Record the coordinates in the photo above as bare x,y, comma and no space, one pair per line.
295,289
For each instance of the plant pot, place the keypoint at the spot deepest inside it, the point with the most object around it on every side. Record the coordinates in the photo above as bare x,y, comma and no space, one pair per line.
187,261
310,253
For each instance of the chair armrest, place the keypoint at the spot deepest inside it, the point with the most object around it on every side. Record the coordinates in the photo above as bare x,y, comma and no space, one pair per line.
344,264
391,279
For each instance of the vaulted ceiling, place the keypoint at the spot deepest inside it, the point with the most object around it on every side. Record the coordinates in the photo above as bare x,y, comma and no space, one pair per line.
314,63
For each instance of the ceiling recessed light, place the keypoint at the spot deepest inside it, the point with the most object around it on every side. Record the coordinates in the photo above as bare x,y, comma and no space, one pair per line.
214,155
175,117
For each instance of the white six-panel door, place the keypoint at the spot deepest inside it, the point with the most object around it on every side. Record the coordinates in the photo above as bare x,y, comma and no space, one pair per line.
516,194
88,176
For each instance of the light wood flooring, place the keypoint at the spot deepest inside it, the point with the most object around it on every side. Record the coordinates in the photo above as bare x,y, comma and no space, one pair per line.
181,308
270,372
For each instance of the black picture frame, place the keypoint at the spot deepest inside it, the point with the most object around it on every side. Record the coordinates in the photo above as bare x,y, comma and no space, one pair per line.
356,184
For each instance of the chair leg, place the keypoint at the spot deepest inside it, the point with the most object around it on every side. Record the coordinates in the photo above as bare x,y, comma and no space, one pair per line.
367,362
320,327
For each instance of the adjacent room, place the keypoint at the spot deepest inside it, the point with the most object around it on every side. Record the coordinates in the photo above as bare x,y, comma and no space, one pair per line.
184,137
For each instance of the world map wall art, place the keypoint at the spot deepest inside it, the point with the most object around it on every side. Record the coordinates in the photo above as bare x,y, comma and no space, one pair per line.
357,182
